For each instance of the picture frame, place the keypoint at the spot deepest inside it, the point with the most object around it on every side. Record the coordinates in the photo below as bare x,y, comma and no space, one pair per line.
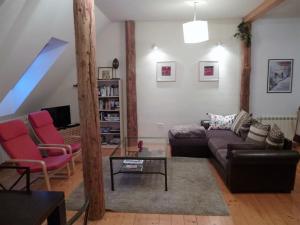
105,73
280,75
208,71
166,71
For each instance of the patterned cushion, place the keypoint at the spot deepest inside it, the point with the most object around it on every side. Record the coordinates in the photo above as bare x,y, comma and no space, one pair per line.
239,120
275,139
258,133
245,127
221,122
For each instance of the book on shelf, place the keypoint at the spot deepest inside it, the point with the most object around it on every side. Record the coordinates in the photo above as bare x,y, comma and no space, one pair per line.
110,116
109,104
109,90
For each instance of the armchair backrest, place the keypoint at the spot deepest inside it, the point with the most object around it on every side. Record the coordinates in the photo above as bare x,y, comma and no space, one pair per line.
42,125
17,143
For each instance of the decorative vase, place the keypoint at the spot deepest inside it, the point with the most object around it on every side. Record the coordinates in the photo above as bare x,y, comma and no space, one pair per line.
115,63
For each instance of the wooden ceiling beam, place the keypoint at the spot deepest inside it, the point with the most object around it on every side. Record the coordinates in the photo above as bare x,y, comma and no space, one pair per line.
261,10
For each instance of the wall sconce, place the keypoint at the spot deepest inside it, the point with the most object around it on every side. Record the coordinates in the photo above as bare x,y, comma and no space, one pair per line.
154,47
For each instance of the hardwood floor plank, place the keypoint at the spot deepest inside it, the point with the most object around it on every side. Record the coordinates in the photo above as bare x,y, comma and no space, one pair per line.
128,219
177,220
190,220
203,220
220,220
165,219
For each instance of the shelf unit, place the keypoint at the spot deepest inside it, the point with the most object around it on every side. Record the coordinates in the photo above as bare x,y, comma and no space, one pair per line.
110,112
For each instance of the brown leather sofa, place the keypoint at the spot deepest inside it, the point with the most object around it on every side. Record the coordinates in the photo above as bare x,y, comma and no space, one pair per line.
243,167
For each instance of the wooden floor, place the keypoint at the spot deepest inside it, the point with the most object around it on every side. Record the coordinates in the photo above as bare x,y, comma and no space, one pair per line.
245,209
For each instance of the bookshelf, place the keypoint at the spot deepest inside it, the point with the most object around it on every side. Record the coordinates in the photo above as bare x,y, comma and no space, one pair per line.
110,112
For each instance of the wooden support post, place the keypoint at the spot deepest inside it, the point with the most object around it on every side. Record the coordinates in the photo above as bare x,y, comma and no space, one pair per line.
245,77
85,39
132,126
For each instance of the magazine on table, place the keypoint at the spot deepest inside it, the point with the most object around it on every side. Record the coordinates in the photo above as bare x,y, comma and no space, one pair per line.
132,167
133,161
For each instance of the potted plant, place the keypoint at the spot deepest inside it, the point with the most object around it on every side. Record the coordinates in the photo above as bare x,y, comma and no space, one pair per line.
244,33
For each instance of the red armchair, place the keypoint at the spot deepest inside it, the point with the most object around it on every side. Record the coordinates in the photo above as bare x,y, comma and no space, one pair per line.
44,129
17,143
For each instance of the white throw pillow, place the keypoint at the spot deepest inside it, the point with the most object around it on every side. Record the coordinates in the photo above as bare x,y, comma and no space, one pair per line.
220,121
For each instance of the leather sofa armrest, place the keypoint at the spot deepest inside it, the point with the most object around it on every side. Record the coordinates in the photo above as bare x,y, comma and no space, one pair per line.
263,157
244,147
288,144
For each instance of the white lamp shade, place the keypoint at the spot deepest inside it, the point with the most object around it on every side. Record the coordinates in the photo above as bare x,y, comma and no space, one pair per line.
195,31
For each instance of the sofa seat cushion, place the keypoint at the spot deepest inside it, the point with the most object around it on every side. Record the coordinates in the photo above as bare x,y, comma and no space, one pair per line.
221,134
217,143
221,157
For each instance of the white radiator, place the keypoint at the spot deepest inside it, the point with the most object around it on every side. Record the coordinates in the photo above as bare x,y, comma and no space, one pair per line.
286,123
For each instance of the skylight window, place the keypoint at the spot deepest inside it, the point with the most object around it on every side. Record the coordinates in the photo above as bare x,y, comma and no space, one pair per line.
32,76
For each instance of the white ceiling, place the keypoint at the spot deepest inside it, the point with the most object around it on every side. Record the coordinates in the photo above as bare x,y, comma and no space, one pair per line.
289,8
172,10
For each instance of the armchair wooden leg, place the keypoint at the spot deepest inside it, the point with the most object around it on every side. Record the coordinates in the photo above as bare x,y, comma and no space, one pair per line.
73,164
46,177
68,170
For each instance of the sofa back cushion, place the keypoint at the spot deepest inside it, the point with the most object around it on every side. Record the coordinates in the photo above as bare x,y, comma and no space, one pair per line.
275,139
245,127
220,121
258,133
239,120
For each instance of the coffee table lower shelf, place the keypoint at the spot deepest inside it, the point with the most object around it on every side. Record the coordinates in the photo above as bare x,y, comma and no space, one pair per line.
122,170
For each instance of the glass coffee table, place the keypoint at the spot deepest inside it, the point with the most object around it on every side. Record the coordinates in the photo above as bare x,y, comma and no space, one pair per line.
140,155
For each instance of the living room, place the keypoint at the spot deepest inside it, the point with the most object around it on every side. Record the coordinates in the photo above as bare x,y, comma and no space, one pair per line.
173,83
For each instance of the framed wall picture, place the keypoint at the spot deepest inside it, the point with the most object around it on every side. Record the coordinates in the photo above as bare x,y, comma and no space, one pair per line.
105,73
166,71
280,76
208,71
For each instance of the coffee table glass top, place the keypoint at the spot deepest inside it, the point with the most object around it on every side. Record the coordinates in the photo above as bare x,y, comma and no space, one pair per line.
141,148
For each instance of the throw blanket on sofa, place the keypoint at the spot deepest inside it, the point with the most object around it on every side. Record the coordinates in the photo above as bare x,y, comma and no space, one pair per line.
188,131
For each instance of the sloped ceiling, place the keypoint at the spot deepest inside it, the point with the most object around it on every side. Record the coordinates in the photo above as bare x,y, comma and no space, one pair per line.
26,26
175,10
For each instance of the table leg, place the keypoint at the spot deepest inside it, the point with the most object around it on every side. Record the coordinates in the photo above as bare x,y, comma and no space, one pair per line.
111,174
166,176
58,216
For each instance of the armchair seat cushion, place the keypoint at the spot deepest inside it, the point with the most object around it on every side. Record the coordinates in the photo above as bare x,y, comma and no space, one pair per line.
75,147
55,152
52,163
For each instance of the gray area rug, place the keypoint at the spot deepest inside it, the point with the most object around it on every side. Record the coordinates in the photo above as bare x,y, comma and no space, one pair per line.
192,190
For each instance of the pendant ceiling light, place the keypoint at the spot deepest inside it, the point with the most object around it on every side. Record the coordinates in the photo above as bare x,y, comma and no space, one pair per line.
195,31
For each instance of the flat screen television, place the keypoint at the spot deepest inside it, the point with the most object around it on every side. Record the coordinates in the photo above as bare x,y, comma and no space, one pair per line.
61,115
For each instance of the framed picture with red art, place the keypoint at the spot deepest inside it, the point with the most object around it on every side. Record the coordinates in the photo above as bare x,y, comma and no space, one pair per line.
208,71
166,71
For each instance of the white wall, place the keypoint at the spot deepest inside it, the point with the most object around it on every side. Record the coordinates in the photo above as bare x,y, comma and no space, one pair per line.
187,100
274,39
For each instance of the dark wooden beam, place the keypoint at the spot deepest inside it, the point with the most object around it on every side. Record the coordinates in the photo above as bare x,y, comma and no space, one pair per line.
132,125
85,41
261,10
245,77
